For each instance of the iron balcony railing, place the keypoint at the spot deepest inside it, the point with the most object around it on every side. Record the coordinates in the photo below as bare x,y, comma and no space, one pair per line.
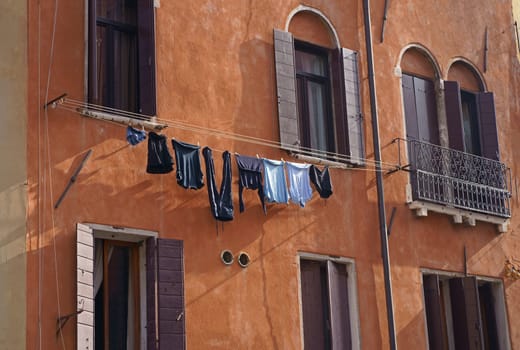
458,179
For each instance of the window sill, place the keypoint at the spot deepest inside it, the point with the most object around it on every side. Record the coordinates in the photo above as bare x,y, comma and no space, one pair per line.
321,161
149,124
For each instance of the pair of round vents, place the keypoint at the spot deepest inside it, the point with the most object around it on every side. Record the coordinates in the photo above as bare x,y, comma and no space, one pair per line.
227,258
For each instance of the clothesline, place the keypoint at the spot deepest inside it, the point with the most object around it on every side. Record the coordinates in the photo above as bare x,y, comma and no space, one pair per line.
76,107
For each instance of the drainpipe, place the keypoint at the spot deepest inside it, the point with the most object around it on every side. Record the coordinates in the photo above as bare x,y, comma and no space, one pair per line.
379,177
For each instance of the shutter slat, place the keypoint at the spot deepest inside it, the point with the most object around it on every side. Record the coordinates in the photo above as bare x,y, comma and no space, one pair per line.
286,90
454,115
356,148
338,306
85,287
488,126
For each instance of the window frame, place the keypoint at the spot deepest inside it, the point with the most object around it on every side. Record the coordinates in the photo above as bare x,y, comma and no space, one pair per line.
351,287
347,126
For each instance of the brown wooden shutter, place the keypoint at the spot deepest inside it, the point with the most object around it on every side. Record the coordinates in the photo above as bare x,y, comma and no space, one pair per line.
356,147
93,95
426,108
170,294
312,305
433,309
146,59
151,293
85,287
286,90
338,306
410,112
454,115
488,125
487,309
465,308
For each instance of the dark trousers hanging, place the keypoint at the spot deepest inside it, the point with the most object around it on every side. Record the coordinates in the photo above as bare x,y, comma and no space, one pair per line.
220,203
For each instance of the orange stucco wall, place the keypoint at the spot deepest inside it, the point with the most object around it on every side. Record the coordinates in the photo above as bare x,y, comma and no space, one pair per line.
215,70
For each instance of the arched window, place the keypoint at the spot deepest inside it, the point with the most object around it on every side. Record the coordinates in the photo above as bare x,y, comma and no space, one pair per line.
319,106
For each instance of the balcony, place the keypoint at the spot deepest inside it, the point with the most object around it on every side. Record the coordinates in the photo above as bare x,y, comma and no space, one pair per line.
476,188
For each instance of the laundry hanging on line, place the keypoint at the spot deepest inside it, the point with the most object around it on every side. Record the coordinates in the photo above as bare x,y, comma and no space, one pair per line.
135,136
189,174
275,186
159,159
250,177
300,190
321,180
220,202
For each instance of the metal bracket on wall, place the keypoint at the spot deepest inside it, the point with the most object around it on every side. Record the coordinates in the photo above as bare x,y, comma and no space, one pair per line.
384,22
73,178
391,222
62,320
55,101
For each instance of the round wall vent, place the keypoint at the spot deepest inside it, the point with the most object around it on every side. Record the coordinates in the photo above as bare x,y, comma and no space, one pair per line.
243,259
227,257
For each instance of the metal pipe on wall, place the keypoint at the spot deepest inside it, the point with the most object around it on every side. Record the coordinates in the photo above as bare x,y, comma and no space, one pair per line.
379,177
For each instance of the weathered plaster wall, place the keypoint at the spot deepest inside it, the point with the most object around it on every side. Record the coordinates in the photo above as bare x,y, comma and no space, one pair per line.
215,70
13,194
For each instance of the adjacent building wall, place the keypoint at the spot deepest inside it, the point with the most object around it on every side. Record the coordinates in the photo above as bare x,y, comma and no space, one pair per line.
13,174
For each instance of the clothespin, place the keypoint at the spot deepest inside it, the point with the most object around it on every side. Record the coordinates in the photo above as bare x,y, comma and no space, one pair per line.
283,160
257,156
198,143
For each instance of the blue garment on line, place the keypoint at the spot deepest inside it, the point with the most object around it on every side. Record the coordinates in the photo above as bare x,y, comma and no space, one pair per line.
189,174
275,186
135,136
299,183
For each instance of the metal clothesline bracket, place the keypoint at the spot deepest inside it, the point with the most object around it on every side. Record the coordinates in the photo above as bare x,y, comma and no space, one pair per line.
62,320
55,101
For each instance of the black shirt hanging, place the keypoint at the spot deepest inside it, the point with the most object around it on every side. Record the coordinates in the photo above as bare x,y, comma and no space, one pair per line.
159,159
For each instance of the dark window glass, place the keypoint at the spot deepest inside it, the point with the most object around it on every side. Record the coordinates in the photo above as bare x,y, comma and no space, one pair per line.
470,123
314,101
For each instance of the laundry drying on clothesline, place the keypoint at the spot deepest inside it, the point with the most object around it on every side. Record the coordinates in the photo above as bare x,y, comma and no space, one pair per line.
267,176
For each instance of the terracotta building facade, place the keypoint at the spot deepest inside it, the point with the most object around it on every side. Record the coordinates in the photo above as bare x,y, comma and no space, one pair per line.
260,175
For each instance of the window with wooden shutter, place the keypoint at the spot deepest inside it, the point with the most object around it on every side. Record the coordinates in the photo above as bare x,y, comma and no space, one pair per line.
318,95
471,119
326,313
465,313
121,59
112,299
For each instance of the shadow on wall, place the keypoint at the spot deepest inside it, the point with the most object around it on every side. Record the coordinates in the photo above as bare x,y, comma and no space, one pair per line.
257,114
